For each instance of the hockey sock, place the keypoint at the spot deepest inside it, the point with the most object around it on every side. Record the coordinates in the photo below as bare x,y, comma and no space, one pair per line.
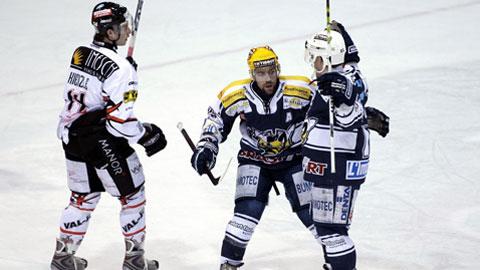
75,219
339,249
132,216
240,230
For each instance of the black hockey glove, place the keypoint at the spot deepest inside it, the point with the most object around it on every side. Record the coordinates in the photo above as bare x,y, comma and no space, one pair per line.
204,156
351,55
153,140
338,87
378,121
132,62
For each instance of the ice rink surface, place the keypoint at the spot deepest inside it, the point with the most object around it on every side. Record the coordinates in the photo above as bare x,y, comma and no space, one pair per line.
420,206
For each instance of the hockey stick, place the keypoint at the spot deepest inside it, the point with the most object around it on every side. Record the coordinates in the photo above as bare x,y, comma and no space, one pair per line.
213,179
330,101
136,21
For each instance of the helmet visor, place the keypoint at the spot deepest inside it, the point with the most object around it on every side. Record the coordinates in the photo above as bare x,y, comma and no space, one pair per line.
128,20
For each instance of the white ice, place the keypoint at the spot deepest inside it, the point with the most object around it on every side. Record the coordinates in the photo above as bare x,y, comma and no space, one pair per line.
420,206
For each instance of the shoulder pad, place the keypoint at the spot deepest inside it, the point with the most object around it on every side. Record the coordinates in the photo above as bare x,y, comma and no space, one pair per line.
297,86
295,78
233,92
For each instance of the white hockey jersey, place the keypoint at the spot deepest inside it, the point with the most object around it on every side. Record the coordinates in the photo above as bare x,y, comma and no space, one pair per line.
100,79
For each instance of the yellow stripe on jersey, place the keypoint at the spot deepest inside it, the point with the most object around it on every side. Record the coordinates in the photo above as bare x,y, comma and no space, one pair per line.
233,97
297,91
231,85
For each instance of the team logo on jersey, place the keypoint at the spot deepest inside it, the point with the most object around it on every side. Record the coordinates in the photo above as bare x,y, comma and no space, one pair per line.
270,142
316,168
94,63
275,141
77,57
356,169
130,96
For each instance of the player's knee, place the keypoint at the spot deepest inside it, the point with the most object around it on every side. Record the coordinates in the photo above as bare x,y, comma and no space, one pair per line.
304,215
84,202
133,201
75,218
250,207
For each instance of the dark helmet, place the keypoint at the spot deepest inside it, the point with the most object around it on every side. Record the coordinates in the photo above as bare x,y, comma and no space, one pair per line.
107,14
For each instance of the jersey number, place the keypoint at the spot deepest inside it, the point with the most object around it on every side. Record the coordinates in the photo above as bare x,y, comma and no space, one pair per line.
77,99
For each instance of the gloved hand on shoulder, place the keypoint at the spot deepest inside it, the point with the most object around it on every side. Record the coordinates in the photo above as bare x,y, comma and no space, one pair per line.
338,87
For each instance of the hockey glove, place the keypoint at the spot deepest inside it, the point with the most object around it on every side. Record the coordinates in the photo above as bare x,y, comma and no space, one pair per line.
338,87
351,54
378,121
204,157
153,140
132,62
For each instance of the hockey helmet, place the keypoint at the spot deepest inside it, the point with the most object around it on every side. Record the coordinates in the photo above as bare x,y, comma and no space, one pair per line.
261,57
317,46
107,14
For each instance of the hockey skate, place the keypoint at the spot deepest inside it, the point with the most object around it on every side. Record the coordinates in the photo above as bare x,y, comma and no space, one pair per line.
134,259
227,266
64,260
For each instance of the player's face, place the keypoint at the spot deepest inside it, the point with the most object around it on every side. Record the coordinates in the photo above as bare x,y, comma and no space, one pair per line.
319,66
266,78
125,32
119,34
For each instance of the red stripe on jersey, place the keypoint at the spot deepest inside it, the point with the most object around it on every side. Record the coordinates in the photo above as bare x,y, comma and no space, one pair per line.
113,108
116,119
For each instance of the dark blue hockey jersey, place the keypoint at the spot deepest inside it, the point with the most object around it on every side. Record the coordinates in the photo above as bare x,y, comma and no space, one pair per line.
351,137
271,129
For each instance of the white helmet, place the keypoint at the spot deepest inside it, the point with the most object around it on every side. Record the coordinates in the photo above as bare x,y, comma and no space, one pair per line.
317,46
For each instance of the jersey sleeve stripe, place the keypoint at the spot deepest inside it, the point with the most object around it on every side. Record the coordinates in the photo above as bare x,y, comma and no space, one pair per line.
113,108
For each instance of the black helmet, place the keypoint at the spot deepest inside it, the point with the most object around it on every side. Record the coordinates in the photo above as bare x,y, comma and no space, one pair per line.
107,14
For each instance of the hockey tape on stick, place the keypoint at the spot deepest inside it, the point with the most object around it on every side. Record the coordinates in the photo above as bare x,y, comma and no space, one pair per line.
136,22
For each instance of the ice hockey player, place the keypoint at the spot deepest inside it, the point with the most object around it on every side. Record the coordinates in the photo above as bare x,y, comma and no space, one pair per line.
334,194
377,120
272,109
96,126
